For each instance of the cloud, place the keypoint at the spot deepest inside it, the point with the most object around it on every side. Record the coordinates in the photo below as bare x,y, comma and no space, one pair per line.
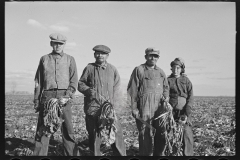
70,45
224,78
79,26
59,28
203,73
195,67
19,75
36,24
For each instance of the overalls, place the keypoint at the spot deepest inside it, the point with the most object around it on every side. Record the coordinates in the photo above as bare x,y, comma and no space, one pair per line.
149,105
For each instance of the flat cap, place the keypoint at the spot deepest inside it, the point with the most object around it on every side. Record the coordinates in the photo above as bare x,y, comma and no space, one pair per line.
152,50
102,48
57,37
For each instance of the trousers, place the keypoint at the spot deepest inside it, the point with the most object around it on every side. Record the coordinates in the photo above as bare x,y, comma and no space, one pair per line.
150,144
94,137
187,138
42,141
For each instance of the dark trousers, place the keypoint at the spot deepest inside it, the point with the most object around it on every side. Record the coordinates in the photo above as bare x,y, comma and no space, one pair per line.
159,142
118,147
42,141
146,139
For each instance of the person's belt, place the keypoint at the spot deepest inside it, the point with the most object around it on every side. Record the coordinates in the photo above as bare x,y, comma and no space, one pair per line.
52,89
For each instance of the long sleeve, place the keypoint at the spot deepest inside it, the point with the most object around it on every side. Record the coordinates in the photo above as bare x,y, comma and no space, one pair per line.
38,81
116,86
82,83
132,88
165,86
189,101
73,78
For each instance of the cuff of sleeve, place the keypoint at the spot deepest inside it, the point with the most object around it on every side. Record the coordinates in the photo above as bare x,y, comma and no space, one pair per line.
35,101
134,107
188,110
86,91
69,93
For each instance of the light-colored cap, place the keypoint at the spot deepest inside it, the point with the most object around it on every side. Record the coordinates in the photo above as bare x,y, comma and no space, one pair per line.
152,50
57,37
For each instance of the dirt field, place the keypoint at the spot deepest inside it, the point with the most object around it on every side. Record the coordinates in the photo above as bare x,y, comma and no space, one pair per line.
213,127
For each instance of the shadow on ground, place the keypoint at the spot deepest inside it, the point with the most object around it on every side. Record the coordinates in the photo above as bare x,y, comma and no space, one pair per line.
56,147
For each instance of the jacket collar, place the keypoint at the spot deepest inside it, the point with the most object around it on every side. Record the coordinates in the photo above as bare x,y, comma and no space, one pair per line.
54,53
104,66
172,76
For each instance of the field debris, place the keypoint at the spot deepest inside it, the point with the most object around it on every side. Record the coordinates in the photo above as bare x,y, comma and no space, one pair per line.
213,120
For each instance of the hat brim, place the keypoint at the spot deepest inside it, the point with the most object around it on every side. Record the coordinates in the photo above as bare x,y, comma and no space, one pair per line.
152,53
105,52
58,41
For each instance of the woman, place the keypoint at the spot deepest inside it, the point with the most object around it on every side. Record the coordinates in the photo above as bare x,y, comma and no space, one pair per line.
181,99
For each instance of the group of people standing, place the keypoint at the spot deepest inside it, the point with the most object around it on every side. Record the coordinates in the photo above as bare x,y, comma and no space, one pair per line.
148,87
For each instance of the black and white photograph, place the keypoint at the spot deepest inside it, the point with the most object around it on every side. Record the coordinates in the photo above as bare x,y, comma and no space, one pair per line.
120,78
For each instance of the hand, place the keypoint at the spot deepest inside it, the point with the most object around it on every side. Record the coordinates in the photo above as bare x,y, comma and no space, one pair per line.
63,100
165,99
91,91
36,106
135,113
183,119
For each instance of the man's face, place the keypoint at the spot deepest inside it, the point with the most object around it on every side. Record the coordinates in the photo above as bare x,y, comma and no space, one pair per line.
58,47
151,59
100,57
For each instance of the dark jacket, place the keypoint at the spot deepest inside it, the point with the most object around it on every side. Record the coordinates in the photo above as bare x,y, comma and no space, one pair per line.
181,86
105,80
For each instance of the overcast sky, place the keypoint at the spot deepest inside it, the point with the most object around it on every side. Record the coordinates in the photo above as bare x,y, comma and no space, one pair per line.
202,33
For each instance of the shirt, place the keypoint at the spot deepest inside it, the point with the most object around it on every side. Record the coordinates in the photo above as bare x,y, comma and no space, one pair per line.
105,80
181,86
39,77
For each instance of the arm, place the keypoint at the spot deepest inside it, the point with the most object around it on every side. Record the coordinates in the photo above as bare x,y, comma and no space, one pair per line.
189,101
116,87
82,83
38,82
132,89
165,87
73,79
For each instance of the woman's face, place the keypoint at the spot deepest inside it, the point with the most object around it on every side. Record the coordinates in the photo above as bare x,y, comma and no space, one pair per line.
176,70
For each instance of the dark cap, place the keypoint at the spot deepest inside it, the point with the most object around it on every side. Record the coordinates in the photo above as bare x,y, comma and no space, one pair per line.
102,48
152,50
178,61
57,37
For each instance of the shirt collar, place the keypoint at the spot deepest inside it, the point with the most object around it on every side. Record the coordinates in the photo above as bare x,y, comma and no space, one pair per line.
60,54
104,66
155,67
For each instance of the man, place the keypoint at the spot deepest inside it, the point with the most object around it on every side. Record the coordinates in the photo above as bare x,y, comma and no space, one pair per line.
148,88
56,77
99,82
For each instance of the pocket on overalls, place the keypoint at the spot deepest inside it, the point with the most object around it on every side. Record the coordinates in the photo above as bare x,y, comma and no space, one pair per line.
153,81
149,82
